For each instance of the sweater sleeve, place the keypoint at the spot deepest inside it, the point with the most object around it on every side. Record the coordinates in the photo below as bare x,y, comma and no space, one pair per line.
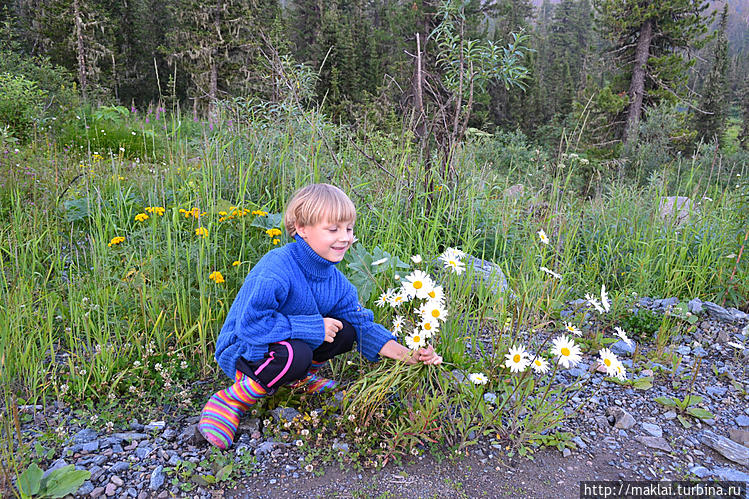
260,322
370,336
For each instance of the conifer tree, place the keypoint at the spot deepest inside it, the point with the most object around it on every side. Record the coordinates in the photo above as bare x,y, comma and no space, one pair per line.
710,123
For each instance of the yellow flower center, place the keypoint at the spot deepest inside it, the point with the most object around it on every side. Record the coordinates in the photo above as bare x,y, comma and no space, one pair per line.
537,362
565,351
398,298
453,263
417,339
432,294
607,362
418,285
516,358
427,326
435,313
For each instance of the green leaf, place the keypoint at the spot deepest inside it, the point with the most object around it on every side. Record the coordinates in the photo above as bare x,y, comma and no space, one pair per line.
684,421
29,481
692,400
667,401
698,412
644,383
64,481
224,473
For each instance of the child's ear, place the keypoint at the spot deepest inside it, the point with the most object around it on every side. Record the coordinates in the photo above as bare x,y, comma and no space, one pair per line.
301,230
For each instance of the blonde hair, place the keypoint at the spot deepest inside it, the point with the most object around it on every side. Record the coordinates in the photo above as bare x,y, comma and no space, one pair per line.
318,203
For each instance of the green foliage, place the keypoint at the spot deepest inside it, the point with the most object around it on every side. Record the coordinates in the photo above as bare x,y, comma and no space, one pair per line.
643,324
59,483
21,104
363,272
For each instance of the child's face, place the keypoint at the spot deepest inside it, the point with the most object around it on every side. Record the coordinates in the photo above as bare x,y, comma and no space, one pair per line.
330,240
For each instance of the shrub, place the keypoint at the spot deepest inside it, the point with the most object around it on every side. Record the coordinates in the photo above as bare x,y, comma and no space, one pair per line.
20,104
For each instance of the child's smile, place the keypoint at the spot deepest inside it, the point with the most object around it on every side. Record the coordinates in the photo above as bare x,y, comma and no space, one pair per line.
330,240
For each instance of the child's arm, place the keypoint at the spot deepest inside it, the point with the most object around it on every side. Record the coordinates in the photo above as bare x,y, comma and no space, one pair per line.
394,350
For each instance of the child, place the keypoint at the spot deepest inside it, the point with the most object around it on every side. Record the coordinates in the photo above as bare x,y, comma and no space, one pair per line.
294,312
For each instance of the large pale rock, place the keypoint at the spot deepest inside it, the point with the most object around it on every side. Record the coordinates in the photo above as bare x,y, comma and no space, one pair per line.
728,448
487,273
676,208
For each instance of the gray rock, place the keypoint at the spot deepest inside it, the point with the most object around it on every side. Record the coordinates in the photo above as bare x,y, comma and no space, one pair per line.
676,209
622,348
169,434
728,448
566,452
652,429
716,392
580,443
659,443
84,436
737,314
97,492
488,274
265,448
85,488
622,419
132,492
742,420
155,426
700,471
699,352
143,451
720,313
60,463
130,435
282,414
695,306
119,467
157,478
730,475
684,350
669,415
665,303
739,436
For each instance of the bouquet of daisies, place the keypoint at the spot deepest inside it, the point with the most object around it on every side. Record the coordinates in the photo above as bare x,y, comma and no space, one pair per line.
419,303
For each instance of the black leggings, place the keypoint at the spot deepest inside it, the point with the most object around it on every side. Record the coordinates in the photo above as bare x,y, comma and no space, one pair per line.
290,360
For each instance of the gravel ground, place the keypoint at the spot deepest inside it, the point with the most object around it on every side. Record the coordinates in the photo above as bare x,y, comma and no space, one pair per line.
620,433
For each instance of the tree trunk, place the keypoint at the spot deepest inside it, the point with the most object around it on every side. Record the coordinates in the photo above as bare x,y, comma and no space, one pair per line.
637,84
78,24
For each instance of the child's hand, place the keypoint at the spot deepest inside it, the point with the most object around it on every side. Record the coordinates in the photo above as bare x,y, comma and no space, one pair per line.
332,326
428,356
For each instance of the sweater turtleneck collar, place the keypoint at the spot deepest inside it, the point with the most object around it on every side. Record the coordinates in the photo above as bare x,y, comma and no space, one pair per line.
312,264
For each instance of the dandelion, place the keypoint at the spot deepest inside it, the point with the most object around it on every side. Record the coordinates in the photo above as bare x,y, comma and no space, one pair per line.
451,259
216,277
416,259
276,241
594,302
260,213
379,262
517,359
568,352
571,328
551,272
433,310
141,217
415,340
478,378
609,361
156,210
417,284
201,231
273,232
540,365
605,298
116,240
236,263
398,325
542,235
621,334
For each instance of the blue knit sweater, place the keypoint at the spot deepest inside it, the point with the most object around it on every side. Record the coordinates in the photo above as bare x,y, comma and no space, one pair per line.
285,296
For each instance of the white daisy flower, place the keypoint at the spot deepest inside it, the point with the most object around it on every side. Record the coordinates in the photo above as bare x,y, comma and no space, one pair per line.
569,354
551,272
398,325
385,298
436,294
542,235
452,260
605,298
398,299
415,340
417,284
621,334
609,361
416,259
379,262
517,359
540,365
621,372
429,326
594,301
571,328
433,310
478,378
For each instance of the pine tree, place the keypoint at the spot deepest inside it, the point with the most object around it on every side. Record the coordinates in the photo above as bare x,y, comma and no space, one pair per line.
648,38
711,124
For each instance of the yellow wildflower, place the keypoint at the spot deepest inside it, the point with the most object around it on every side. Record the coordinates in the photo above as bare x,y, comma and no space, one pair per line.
141,217
222,213
201,231
273,232
216,277
116,240
158,210
276,241
260,213
235,263
221,219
